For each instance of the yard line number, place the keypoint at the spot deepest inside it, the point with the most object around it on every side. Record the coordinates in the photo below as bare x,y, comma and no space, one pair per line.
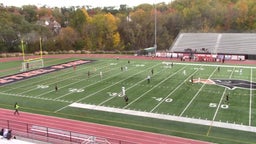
113,64
42,86
139,65
163,99
75,90
214,105
114,94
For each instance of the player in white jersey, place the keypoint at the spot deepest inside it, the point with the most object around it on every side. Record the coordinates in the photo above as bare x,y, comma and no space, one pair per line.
123,91
101,74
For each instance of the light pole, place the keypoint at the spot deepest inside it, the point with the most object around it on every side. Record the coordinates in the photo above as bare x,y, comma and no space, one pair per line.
155,45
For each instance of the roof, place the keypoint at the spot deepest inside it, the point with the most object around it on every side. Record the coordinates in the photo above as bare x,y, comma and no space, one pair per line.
150,49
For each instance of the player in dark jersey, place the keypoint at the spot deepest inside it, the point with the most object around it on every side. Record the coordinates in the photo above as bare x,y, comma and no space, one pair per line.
56,87
88,74
126,99
227,98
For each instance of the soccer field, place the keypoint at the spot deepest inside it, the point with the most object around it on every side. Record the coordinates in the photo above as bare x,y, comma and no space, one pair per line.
206,101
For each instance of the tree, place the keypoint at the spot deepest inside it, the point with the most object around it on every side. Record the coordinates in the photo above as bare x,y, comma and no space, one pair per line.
30,13
109,29
77,20
67,38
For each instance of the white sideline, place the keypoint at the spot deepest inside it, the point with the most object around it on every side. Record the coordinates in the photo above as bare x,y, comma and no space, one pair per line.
167,117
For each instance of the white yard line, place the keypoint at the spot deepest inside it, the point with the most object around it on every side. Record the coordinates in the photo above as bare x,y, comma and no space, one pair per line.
165,117
173,91
218,107
216,65
105,88
250,106
143,80
68,85
221,100
224,92
196,94
33,97
153,88
40,82
47,82
96,82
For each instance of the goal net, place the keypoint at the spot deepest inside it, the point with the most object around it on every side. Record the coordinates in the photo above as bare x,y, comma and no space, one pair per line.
32,64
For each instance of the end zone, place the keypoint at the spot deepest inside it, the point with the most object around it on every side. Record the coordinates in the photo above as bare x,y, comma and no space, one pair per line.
33,73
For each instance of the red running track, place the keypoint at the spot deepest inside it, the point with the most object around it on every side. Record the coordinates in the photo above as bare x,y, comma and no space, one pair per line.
111,132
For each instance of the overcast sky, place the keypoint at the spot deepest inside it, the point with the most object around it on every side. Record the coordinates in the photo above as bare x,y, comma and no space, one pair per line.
68,3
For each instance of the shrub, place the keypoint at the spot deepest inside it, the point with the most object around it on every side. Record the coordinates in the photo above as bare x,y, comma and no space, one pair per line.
85,52
3,55
52,52
71,52
37,53
45,53
10,54
18,54
78,52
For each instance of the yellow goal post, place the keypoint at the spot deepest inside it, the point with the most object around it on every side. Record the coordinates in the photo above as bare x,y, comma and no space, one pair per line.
31,63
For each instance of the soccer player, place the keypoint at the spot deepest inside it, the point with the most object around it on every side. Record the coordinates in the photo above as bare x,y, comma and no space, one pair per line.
184,72
218,69
191,79
126,99
123,91
148,79
88,74
56,87
152,71
227,98
101,74
241,71
16,107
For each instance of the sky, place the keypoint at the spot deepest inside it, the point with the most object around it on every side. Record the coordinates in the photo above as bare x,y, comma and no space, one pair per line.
68,3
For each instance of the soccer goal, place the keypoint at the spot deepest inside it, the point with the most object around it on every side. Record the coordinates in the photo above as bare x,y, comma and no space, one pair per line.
31,63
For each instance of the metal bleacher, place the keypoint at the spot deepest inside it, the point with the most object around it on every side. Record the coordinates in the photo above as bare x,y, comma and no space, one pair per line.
214,43
238,43
29,133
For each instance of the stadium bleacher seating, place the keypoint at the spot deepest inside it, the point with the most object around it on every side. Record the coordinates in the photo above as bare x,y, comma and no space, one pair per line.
214,43
239,43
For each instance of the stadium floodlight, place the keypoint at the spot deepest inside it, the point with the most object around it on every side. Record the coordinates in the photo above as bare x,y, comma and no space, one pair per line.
155,45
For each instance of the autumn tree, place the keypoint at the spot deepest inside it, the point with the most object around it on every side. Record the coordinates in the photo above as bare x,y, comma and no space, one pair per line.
30,13
66,39
77,20
126,28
